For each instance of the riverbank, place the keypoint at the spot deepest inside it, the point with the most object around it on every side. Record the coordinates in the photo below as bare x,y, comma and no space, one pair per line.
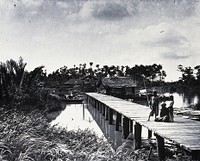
29,136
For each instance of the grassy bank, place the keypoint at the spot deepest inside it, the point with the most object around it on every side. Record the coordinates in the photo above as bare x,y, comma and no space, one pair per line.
29,137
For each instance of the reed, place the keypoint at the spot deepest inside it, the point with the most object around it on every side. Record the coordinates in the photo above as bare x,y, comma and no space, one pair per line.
29,137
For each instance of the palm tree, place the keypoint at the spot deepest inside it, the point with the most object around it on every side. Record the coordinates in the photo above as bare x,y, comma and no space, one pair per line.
91,63
112,70
34,77
12,75
105,70
90,70
197,68
16,71
187,74
97,66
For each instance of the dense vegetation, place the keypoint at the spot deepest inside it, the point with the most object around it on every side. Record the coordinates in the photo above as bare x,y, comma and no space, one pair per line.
150,72
29,137
190,76
23,90
154,74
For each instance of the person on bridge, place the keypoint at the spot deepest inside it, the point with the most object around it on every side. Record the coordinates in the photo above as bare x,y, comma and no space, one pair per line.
164,114
171,109
154,105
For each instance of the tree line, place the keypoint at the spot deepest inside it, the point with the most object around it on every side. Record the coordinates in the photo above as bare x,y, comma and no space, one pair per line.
149,72
190,76
19,86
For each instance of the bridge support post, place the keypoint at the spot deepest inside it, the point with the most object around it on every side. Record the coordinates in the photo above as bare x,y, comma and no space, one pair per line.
91,107
160,147
126,127
149,134
138,132
99,113
86,100
196,155
111,128
103,117
118,131
95,108
106,120
131,126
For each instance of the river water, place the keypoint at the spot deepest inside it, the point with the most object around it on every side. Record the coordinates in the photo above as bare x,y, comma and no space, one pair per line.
76,116
185,99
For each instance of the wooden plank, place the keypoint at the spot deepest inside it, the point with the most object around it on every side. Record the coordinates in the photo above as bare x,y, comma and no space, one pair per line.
183,132
179,133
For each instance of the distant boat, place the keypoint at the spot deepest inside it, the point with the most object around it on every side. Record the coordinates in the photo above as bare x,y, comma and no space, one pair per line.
72,101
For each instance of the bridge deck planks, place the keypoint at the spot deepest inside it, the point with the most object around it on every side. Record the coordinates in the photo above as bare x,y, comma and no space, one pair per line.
183,132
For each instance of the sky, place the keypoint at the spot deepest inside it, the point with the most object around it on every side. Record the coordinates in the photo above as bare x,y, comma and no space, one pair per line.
55,33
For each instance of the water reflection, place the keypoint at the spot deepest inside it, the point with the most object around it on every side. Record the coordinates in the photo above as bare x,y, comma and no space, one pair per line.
185,99
77,116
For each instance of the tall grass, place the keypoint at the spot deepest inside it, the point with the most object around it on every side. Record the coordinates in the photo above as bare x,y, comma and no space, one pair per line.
29,137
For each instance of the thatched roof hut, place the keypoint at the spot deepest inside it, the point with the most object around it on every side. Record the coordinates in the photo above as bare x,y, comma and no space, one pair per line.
118,82
122,87
74,82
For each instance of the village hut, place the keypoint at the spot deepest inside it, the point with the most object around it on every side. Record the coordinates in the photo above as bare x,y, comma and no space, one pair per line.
74,85
73,82
89,83
121,87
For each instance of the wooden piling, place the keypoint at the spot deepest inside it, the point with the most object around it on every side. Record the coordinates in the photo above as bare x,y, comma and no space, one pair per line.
106,120
160,147
149,134
110,116
118,130
131,126
125,127
118,122
103,110
111,128
138,132
196,155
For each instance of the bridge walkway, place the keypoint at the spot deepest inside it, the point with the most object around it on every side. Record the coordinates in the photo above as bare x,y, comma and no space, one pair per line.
122,114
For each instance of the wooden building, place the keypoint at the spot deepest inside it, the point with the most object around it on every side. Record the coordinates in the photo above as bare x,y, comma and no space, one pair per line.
73,83
89,83
121,87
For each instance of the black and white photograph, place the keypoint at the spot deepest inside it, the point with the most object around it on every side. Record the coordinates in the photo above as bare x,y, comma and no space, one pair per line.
99,80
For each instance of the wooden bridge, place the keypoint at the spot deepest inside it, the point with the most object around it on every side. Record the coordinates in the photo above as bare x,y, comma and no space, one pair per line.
118,118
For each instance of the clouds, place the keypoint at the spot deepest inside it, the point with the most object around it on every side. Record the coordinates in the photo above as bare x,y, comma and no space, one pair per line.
111,11
174,44
178,46
174,55
103,31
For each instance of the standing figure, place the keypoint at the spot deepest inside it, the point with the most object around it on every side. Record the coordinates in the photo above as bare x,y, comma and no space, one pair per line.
154,105
171,109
